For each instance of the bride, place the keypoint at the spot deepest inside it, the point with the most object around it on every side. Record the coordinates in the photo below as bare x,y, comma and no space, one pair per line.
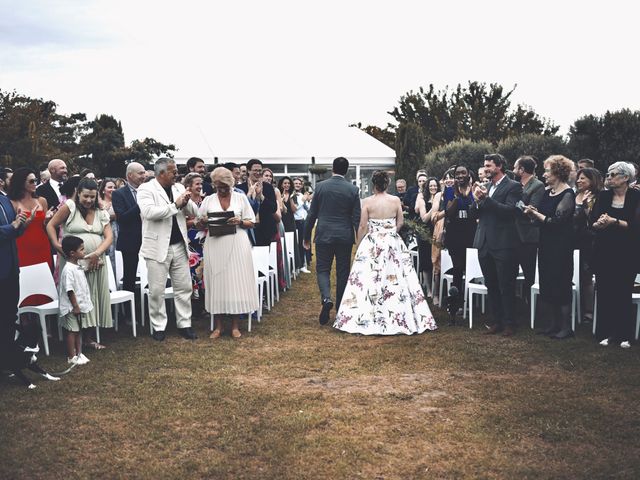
383,295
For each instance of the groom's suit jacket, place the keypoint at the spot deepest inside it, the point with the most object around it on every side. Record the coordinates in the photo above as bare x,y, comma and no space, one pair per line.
336,207
157,213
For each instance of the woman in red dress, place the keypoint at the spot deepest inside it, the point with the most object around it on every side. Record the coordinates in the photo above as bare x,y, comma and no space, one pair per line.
33,244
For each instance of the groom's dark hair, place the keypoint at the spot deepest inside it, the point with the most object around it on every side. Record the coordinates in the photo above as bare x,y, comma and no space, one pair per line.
340,166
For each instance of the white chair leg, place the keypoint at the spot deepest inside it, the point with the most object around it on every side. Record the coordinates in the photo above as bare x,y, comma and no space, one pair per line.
45,340
249,321
595,312
133,316
211,322
533,308
573,311
637,320
115,318
470,309
97,334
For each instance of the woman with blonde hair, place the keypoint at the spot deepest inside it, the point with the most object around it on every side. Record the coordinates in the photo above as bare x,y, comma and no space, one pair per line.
229,279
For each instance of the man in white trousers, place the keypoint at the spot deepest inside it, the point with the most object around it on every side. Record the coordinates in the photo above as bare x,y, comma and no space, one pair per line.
163,206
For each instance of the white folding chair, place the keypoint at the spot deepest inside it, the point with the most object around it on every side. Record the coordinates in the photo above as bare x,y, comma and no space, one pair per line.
261,261
575,295
262,282
290,240
472,271
119,269
446,264
143,274
273,272
120,296
37,280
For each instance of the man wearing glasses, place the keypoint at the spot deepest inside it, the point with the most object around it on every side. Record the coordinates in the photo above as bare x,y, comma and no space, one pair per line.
262,198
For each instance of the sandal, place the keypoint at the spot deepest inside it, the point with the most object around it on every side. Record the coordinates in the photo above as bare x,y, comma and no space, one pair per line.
95,345
215,334
235,333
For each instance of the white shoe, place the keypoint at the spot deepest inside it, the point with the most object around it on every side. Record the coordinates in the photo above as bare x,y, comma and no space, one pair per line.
605,342
305,270
625,344
74,360
82,359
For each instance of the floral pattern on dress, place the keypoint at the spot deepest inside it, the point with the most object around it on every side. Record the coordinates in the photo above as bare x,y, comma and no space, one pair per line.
383,295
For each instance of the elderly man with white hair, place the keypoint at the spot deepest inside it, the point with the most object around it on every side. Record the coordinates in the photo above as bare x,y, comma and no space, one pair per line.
165,246
615,218
127,211
51,189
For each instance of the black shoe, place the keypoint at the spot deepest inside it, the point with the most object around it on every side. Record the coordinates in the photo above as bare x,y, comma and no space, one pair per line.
563,334
187,333
158,335
327,305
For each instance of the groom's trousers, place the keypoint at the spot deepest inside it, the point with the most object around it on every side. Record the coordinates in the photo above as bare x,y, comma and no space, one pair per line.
325,252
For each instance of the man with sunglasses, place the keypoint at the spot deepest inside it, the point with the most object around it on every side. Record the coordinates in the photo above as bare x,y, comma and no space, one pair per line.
497,240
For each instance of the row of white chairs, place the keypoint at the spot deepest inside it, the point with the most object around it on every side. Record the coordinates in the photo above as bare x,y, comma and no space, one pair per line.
474,285
38,280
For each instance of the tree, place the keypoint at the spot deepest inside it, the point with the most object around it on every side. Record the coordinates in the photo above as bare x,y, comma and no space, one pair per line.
103,147
462,152
33,132
610,138
410,149
385,135
539,146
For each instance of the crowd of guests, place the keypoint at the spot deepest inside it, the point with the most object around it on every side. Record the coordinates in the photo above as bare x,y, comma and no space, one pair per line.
519,222
76,223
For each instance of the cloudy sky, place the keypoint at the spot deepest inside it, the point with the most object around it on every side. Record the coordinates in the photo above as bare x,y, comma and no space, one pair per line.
188,70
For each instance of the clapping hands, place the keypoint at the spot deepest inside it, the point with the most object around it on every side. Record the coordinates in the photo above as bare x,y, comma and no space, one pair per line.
603,222
23,218
479,192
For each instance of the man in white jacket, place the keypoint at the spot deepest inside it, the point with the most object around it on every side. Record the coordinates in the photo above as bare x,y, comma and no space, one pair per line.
163,205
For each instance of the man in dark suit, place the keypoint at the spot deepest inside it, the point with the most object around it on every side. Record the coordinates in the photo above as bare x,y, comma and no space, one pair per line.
11,227
336,207
262,198
528,231
497,240
127,212
51,190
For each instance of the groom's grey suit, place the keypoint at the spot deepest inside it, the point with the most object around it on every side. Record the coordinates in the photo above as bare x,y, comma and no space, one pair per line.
336,207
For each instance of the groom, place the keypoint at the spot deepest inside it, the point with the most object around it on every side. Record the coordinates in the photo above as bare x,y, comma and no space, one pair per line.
336,206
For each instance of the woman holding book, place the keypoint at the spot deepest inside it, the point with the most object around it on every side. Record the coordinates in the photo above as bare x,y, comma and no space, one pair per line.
229,278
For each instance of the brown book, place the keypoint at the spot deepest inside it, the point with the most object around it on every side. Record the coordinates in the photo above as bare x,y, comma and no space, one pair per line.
218,225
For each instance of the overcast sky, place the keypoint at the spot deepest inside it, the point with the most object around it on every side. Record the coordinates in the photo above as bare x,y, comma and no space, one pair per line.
180,70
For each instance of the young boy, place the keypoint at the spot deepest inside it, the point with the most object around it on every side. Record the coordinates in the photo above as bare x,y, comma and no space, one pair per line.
74,298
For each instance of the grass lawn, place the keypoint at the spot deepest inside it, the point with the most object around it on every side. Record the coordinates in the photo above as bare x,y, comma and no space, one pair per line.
293,400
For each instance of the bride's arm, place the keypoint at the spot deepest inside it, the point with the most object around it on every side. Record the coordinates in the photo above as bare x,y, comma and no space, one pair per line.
399,216
364,220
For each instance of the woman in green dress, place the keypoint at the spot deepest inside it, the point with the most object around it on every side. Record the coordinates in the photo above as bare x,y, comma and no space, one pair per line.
83,217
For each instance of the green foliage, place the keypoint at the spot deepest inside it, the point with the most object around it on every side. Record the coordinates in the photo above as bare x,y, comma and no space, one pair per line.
539,146
612,137
32,132
385,135
476,112
410,149
465,152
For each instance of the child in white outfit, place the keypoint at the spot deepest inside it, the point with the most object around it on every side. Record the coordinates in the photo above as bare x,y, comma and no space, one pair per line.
74,298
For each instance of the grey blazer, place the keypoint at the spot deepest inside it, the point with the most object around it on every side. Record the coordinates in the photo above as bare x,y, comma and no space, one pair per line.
497,218
336,207
529,230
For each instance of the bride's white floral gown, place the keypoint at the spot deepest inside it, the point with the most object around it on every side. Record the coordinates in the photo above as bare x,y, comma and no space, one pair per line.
383,295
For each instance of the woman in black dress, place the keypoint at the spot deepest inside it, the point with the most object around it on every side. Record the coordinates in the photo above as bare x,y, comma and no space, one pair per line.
424,204
555,253
616,255
588,186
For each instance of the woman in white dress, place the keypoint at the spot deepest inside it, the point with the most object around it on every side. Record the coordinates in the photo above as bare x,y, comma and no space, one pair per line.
229,278
383,294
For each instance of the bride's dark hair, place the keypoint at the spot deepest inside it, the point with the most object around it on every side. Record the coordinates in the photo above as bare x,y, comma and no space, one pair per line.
380,180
